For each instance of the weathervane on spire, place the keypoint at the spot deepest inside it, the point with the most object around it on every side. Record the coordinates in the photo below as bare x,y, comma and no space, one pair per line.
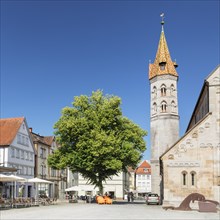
162,21
162,17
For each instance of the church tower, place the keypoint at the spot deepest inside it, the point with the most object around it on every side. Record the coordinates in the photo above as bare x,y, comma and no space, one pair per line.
164,118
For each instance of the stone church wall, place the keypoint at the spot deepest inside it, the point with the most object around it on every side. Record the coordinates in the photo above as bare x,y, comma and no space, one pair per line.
193,163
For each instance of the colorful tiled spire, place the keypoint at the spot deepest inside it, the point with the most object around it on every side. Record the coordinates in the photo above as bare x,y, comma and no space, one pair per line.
163,64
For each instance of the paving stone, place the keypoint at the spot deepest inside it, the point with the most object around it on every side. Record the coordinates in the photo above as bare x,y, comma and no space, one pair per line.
117,211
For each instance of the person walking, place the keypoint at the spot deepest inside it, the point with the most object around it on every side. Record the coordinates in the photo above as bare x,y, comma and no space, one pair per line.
132,196
129,197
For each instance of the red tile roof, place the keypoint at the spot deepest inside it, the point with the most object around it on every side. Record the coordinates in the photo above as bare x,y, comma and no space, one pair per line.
8,130
144,168
144,164
38,139
49,139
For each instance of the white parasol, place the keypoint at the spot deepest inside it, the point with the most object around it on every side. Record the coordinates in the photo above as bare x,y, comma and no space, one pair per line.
73,188
38,180
5,178
18,178
12,178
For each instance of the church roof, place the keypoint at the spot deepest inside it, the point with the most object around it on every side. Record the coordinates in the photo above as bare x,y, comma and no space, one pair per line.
194,119
187,133
163,58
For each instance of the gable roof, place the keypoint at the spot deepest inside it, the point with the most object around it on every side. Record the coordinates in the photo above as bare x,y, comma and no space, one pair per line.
191,126
188,131
8,129
204,87
213,72
144,168
39,139
49,139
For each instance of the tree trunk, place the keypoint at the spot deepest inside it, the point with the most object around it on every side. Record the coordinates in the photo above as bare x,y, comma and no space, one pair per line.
100,186
101,189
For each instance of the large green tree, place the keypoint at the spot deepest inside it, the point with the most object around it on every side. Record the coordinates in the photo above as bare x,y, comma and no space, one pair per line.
96,140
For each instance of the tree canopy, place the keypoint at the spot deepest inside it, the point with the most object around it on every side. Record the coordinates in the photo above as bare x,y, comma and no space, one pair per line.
96,140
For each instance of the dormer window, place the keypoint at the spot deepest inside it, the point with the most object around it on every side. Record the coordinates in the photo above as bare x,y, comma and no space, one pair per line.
162,65
145,170
175,64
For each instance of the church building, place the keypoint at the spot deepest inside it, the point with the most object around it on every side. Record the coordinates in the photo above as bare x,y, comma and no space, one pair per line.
192,164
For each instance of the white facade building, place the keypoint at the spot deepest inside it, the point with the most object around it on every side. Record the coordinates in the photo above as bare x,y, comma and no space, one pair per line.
143,178
17,151
117,186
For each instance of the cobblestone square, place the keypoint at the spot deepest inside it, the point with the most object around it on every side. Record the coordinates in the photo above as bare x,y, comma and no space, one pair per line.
117,211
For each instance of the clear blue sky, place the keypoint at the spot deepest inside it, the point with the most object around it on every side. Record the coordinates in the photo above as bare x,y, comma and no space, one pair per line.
52,51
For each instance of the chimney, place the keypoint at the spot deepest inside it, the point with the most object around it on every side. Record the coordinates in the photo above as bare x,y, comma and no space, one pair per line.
30,130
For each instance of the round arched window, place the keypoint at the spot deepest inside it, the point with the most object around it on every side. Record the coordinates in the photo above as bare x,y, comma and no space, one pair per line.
163,90
163,106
